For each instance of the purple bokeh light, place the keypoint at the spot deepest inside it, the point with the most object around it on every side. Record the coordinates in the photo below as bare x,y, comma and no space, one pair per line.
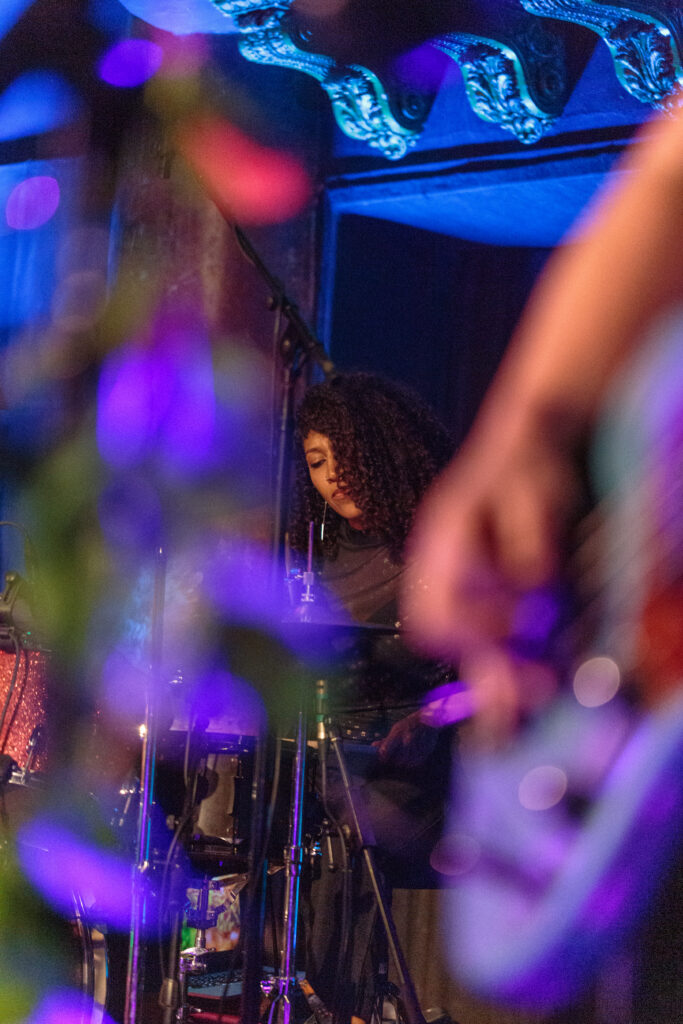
59,863
238,581
125,687
222,703
423,67
449,703
129,511
536,618
67,1006
130,62
157,399
32,202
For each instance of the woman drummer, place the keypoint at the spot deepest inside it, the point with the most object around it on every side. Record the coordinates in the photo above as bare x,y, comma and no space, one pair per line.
368,448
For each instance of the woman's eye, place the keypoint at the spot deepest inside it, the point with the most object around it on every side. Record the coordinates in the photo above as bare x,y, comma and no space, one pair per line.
316,465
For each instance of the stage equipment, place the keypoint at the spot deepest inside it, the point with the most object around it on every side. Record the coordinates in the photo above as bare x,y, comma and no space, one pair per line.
141,869
297,346
332,643
362,836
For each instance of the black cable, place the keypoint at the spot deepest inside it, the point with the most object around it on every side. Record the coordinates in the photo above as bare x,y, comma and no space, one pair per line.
270,813
231,969
161,916
274,930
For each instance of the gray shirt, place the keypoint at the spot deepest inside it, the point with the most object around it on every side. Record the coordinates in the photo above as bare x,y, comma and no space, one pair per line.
363,580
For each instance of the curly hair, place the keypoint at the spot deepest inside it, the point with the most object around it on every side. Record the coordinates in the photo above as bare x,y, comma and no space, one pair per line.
388,446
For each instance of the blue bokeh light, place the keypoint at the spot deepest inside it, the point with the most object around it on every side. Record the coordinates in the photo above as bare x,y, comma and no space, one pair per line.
28,258
10,12
181,17
36,102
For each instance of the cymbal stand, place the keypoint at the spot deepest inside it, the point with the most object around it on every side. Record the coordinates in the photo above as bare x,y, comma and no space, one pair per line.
281,1009
285,985
140,910
365,839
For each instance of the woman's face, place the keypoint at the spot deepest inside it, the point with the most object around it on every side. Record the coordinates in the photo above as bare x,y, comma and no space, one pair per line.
323,471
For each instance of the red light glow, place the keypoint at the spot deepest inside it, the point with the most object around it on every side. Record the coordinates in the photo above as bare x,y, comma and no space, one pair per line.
247,181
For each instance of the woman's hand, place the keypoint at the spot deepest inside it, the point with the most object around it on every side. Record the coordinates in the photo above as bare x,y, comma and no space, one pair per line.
488,538
409,742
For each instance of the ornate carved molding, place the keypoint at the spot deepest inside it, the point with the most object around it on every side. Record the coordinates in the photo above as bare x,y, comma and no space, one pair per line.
361,104
513,61
644,39
497,86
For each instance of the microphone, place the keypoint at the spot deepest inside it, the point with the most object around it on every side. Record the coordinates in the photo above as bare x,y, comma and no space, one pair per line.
320,703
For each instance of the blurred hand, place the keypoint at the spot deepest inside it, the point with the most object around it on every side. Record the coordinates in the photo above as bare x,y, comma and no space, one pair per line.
409,743
488,535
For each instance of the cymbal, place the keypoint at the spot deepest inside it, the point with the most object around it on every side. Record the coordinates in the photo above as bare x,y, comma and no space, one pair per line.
341,628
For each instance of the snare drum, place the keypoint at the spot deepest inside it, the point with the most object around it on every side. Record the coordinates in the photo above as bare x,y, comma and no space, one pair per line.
23,708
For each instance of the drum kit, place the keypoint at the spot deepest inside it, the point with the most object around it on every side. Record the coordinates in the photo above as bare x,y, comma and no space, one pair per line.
225,843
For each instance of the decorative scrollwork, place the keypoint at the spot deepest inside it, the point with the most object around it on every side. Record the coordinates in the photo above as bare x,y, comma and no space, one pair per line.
646,65
359,100
645,44
496,86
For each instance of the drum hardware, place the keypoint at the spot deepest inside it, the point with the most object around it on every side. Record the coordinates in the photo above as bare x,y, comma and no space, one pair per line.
14,638
24,697
192,961
15,607
206,831
129,791
308,593
149,732
281,996
8,769
195,961
33,748
361,834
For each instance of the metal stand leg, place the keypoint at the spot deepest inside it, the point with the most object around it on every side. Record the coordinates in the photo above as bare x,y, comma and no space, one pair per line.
139,902
413,1013
281,1010
192,961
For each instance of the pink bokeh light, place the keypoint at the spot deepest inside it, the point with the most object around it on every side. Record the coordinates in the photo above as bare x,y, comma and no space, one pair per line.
32,202
247,181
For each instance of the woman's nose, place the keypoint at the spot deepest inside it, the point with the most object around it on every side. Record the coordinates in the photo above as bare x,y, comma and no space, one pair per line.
331,472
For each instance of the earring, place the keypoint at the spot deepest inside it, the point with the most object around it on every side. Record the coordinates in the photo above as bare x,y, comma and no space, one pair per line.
322,525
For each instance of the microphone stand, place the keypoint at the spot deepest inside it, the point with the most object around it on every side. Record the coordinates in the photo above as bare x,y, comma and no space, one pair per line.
296,345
